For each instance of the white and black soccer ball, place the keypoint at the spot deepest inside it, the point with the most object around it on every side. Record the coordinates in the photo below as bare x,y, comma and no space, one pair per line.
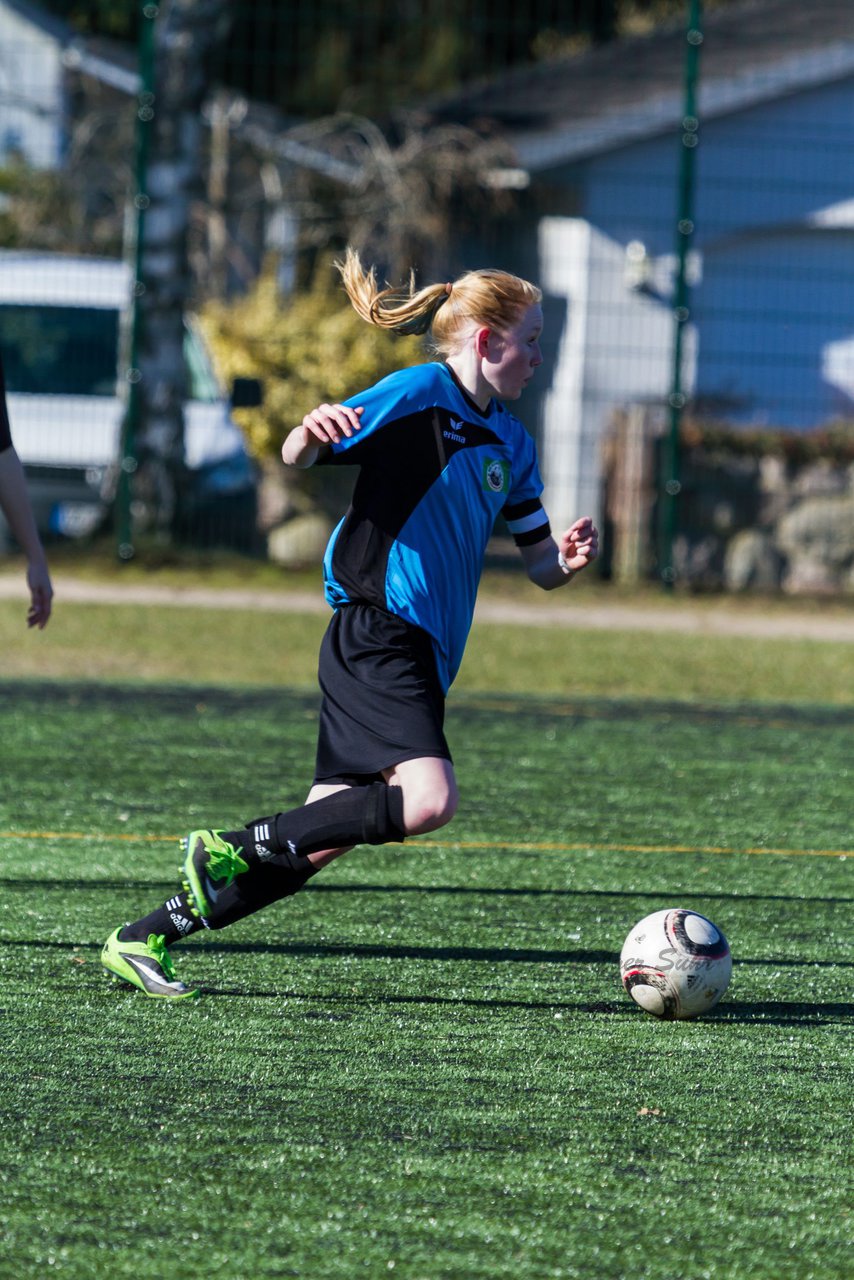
675,964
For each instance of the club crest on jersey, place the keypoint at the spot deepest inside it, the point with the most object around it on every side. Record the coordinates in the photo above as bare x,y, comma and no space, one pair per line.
496,475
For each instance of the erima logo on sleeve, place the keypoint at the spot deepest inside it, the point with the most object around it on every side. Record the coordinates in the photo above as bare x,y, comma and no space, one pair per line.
496,475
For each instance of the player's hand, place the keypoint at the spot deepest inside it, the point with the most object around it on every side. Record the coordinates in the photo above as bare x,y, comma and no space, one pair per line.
41,595
329,423
579,546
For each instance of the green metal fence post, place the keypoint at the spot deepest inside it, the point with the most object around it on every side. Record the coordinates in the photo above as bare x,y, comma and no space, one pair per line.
130,346
671,483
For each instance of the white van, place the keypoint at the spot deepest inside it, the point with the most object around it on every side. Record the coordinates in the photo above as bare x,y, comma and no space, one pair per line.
60,320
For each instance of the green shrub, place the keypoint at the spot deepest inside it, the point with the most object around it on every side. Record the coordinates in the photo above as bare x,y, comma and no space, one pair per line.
832,442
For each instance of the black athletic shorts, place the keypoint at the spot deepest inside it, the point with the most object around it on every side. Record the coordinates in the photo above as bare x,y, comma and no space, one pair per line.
382,700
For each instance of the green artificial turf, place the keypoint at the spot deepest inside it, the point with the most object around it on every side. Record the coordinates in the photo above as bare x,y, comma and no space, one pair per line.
424,1065
125,641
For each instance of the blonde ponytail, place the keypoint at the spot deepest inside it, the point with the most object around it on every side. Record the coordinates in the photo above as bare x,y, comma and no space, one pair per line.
404,310
448,311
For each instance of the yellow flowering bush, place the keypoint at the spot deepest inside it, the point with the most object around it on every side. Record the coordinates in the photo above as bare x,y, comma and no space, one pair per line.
306,348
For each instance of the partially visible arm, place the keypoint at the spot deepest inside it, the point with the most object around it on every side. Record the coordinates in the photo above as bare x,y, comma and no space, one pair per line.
15,501
323,426
577,547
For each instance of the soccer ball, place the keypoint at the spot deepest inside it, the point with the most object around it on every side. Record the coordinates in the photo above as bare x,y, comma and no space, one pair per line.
675,964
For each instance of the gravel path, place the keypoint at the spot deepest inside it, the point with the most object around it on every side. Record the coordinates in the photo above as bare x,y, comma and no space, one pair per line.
830,623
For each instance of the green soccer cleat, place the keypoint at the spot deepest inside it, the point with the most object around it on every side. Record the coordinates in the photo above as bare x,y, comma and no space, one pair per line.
146,965
210,866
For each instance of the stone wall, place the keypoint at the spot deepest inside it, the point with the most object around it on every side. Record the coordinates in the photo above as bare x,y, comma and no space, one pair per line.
765,514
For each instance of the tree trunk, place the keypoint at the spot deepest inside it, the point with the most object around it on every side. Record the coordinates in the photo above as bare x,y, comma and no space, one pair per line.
185,33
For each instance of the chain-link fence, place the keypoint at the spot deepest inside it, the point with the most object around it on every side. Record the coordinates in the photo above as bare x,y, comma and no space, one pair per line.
175,179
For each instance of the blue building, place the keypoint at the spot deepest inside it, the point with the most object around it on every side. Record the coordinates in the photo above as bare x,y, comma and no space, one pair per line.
597,140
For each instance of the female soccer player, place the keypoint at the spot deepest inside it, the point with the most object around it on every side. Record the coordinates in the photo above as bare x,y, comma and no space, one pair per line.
16,507
440,457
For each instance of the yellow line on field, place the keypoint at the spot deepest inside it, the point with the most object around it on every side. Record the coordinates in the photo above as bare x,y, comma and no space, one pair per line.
518,846
524,847
87,835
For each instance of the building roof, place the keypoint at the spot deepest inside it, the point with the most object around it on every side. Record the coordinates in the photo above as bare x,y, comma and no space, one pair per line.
40,18
101,59
567,108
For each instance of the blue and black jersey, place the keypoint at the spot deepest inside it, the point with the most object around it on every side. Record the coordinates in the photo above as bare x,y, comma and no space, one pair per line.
435,473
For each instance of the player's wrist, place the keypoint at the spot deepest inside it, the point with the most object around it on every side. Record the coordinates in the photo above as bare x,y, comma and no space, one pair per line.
564,567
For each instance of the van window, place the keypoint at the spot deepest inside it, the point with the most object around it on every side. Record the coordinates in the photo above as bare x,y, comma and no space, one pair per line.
66,351
73,351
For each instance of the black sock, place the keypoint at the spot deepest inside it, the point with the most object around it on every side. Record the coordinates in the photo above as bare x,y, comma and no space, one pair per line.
256,888
276,850
372,814
176,919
